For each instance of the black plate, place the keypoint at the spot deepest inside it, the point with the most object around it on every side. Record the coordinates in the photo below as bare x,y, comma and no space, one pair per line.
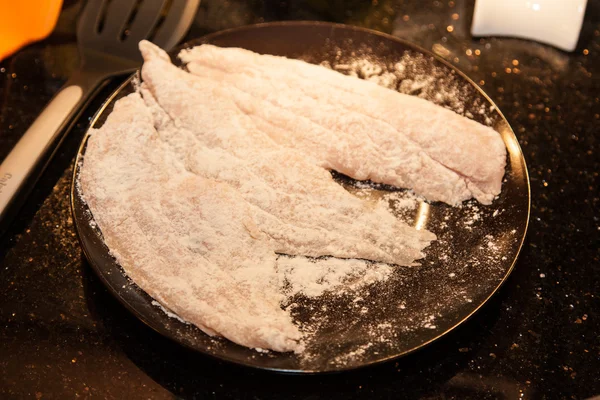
462,270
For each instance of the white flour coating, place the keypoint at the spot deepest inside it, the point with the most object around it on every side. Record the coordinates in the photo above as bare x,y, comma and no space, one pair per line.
219,162
168,313
195,202
314,277
401,140
283,183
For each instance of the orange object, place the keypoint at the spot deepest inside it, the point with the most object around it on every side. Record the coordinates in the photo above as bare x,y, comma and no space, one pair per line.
23,22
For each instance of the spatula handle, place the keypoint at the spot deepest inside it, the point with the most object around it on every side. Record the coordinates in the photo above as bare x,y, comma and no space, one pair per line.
33,151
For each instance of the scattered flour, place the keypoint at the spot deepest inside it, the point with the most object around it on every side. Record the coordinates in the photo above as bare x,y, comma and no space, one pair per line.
168,313
414,74
312,278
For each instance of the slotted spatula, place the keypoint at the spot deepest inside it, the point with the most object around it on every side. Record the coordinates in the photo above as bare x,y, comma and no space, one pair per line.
108,32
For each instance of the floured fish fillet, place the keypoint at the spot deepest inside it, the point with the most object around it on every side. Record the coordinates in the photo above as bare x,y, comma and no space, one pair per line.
357,127
281,182
158,219
195,200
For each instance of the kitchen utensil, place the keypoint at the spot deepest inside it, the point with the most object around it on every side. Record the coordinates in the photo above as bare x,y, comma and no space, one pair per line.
108,33
556,22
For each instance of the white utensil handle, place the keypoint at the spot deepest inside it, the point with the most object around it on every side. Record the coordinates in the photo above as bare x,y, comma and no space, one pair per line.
556,22
34,145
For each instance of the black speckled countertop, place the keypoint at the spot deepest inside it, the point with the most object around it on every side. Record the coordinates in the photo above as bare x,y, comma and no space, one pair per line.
62,335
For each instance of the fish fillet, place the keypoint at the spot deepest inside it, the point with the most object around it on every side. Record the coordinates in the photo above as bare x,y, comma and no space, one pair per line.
195,201
155,216
357,127
279,181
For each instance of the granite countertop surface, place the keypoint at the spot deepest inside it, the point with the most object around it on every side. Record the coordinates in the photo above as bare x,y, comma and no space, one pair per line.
63,335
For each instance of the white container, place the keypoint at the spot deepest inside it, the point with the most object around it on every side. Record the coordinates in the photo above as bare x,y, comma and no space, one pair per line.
555,22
